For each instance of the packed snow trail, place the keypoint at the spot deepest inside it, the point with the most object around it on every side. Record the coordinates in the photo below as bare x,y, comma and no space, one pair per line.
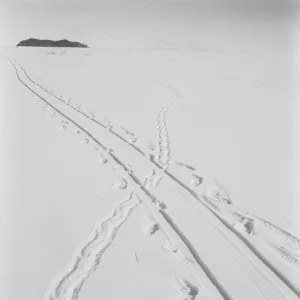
219,226
229,228
211,283
97,243
78,109
163,150
189,191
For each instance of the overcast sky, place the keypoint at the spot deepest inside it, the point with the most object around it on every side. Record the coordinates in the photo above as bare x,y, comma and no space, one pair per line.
250,68
109,22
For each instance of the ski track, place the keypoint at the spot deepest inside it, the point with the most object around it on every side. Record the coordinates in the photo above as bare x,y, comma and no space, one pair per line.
253,255
163,144
175,180
252,279
91,116
201,275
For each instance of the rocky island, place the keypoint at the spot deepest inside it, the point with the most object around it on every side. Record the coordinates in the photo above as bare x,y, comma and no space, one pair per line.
49,43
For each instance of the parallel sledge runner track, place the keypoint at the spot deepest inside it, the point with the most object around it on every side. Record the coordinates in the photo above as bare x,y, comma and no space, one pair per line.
161,164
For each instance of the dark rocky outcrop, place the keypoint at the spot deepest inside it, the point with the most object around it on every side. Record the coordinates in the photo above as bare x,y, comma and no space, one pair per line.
49,43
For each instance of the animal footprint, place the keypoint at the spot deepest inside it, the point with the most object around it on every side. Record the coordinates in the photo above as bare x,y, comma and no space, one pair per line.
153,180
245,225
43,107
185,291
170,247
196,180
64,124
53,114
101,159
150,225
85,139
132,139
173,248
151,147
121,185
78,108
216,191
92,115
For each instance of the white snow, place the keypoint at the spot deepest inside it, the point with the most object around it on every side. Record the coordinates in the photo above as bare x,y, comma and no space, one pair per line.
194,142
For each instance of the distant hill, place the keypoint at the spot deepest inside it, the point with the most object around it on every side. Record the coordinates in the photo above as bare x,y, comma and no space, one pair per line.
49,43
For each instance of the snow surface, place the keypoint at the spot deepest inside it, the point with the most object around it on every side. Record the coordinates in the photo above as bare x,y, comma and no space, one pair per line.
148,174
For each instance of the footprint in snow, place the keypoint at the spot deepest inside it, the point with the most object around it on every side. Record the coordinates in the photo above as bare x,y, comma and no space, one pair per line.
152,180
101,159
150,225
185,290
121,185
43,107
173,248
217,192
196,180
84,139
246,226
91,115
64,125
132,139
170,247
53,114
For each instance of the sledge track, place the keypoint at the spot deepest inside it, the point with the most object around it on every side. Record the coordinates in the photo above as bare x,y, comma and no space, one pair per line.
192,193
177,182
213,287
94,120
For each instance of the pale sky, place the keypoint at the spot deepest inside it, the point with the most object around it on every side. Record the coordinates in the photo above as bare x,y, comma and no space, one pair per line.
236,86
100,23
